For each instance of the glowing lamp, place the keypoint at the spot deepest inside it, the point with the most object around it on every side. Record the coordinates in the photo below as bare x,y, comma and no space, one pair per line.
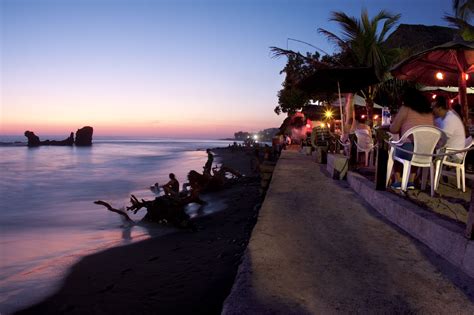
434,96
376,117
451,101
439,76
328,114
362,116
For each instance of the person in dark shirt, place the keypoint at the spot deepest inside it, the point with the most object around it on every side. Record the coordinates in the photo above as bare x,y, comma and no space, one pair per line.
208,165
321,136
171,188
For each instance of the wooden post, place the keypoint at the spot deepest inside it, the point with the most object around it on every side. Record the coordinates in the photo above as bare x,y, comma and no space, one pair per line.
382,158
470,216
353,153
463,98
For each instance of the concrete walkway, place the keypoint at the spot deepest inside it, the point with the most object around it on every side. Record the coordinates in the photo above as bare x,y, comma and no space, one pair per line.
318,248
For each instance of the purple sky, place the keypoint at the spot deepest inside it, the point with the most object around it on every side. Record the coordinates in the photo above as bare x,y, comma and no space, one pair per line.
160,68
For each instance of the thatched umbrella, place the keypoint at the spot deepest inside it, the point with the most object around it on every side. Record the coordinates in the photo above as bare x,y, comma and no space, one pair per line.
450,64
345,80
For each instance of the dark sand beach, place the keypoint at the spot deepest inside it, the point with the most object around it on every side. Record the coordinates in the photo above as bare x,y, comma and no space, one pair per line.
180,273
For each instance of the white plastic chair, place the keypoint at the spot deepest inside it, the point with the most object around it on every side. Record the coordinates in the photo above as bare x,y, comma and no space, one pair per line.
425,139
365,144
460,166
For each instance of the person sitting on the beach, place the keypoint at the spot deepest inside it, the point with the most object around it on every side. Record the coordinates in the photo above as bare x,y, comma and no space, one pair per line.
208,165
155,188
451,124
171,188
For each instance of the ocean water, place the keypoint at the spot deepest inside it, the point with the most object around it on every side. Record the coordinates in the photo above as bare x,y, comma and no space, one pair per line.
47,216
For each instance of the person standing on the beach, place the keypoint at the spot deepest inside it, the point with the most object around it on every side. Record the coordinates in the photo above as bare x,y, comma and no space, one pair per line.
208,165
171,188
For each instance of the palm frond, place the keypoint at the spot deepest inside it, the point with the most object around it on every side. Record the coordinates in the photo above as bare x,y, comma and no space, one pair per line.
387,25
367,24
351,27
280,52
466,30
336,40
463,9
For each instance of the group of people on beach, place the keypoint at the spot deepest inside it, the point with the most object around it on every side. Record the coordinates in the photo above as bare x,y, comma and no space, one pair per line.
171,188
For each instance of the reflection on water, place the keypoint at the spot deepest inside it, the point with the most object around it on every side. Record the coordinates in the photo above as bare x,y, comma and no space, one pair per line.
47,217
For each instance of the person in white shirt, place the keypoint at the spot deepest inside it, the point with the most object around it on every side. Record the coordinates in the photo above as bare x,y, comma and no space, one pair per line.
451,124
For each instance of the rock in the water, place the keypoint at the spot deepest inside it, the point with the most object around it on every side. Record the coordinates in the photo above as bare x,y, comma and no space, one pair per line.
67,141
84,136
33,140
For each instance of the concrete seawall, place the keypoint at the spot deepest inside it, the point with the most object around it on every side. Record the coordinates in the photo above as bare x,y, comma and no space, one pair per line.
443,236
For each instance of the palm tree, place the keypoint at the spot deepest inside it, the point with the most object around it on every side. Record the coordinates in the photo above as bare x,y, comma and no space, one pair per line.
363,41
463,12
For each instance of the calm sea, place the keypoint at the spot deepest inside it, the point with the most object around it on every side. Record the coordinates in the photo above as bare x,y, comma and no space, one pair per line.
47,217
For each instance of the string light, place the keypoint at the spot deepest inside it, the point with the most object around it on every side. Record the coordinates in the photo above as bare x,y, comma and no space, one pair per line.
376,117
434,96
439,76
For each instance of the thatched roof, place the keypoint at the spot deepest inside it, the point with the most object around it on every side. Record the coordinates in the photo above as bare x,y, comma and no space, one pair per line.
416,38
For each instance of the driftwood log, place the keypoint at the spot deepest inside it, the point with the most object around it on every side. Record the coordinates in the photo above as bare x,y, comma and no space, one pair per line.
170,210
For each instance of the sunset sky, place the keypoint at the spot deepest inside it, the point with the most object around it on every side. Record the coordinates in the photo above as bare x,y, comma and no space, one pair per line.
160,68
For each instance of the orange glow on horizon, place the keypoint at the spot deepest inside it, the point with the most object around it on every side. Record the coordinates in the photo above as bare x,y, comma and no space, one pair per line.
205,129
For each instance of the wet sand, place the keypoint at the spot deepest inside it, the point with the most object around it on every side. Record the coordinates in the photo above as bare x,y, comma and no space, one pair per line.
180,273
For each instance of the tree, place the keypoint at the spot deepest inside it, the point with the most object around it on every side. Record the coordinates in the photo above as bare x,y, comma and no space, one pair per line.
362,44
463,12
298,66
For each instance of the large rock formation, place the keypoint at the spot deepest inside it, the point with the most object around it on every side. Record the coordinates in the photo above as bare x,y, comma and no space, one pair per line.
67,141
84,136
33,140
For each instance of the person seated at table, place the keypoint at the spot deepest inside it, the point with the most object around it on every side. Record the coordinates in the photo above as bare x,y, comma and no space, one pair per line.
449,121
415,111
353,125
